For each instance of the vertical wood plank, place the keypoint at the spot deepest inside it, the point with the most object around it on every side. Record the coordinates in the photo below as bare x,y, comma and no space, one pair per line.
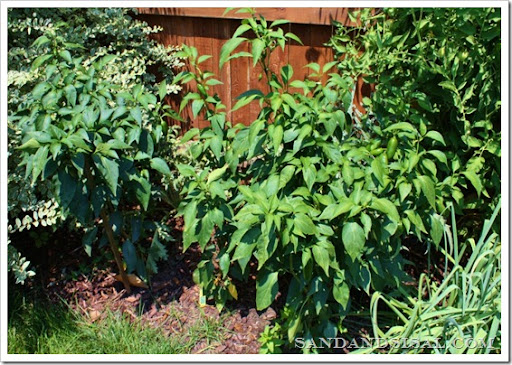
255,82
203,35
319,52
239,77
298,54
224,31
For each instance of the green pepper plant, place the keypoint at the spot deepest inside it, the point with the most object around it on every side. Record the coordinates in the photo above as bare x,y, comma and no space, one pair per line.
323,205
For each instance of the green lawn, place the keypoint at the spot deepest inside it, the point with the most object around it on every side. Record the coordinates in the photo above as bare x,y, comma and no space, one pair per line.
36,327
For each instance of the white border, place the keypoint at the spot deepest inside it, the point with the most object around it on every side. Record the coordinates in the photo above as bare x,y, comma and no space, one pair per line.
503,357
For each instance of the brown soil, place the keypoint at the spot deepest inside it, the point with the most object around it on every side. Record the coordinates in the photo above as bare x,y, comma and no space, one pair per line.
171,304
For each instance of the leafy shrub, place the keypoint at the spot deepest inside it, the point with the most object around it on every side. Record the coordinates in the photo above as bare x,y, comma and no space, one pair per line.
96,144
322,205
438,69
18,265
92,33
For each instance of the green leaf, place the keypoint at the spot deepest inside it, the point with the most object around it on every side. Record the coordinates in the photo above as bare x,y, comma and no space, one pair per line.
40,89
241,30
213,82
296,39
335,209
120,110
246,98
67,188
341,290
227,48
436,136
448,85
277,137
40,61
314,66
401,126
404,189
32,143
160,165
162,89
40,160
439,155
387,207
475,180
110,171
189,135
321,255
347,172
186,170
309,174
205,232
378,170
40,41
243,102
277,22
329,65
142,191
254,130
428,189
217,174
66,56
437,228
303,225
286,175
415,219
257,49
353,239
197,105
129,255
77,141
70,93
203,58
136,113
271,185
367,223
88,239
267,287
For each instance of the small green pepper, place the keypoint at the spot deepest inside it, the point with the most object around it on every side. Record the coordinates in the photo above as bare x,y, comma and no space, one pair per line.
391,149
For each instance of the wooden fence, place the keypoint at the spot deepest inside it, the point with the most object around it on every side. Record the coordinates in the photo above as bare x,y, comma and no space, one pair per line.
208,29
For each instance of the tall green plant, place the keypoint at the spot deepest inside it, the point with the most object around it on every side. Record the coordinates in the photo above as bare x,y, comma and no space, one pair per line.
322,206
92,143
438,69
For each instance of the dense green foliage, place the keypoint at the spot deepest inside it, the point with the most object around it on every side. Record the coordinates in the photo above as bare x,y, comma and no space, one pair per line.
97,145
98,32
437,69
322,207
312,202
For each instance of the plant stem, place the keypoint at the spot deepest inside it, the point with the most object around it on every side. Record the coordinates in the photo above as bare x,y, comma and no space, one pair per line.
108,230
115,250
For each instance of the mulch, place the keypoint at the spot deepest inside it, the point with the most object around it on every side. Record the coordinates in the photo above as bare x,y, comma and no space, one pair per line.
171,304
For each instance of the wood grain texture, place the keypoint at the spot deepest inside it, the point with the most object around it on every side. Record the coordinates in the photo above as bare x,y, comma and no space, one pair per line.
307,15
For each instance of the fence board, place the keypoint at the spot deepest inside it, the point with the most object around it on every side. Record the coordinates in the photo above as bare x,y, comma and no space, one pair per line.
308,15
